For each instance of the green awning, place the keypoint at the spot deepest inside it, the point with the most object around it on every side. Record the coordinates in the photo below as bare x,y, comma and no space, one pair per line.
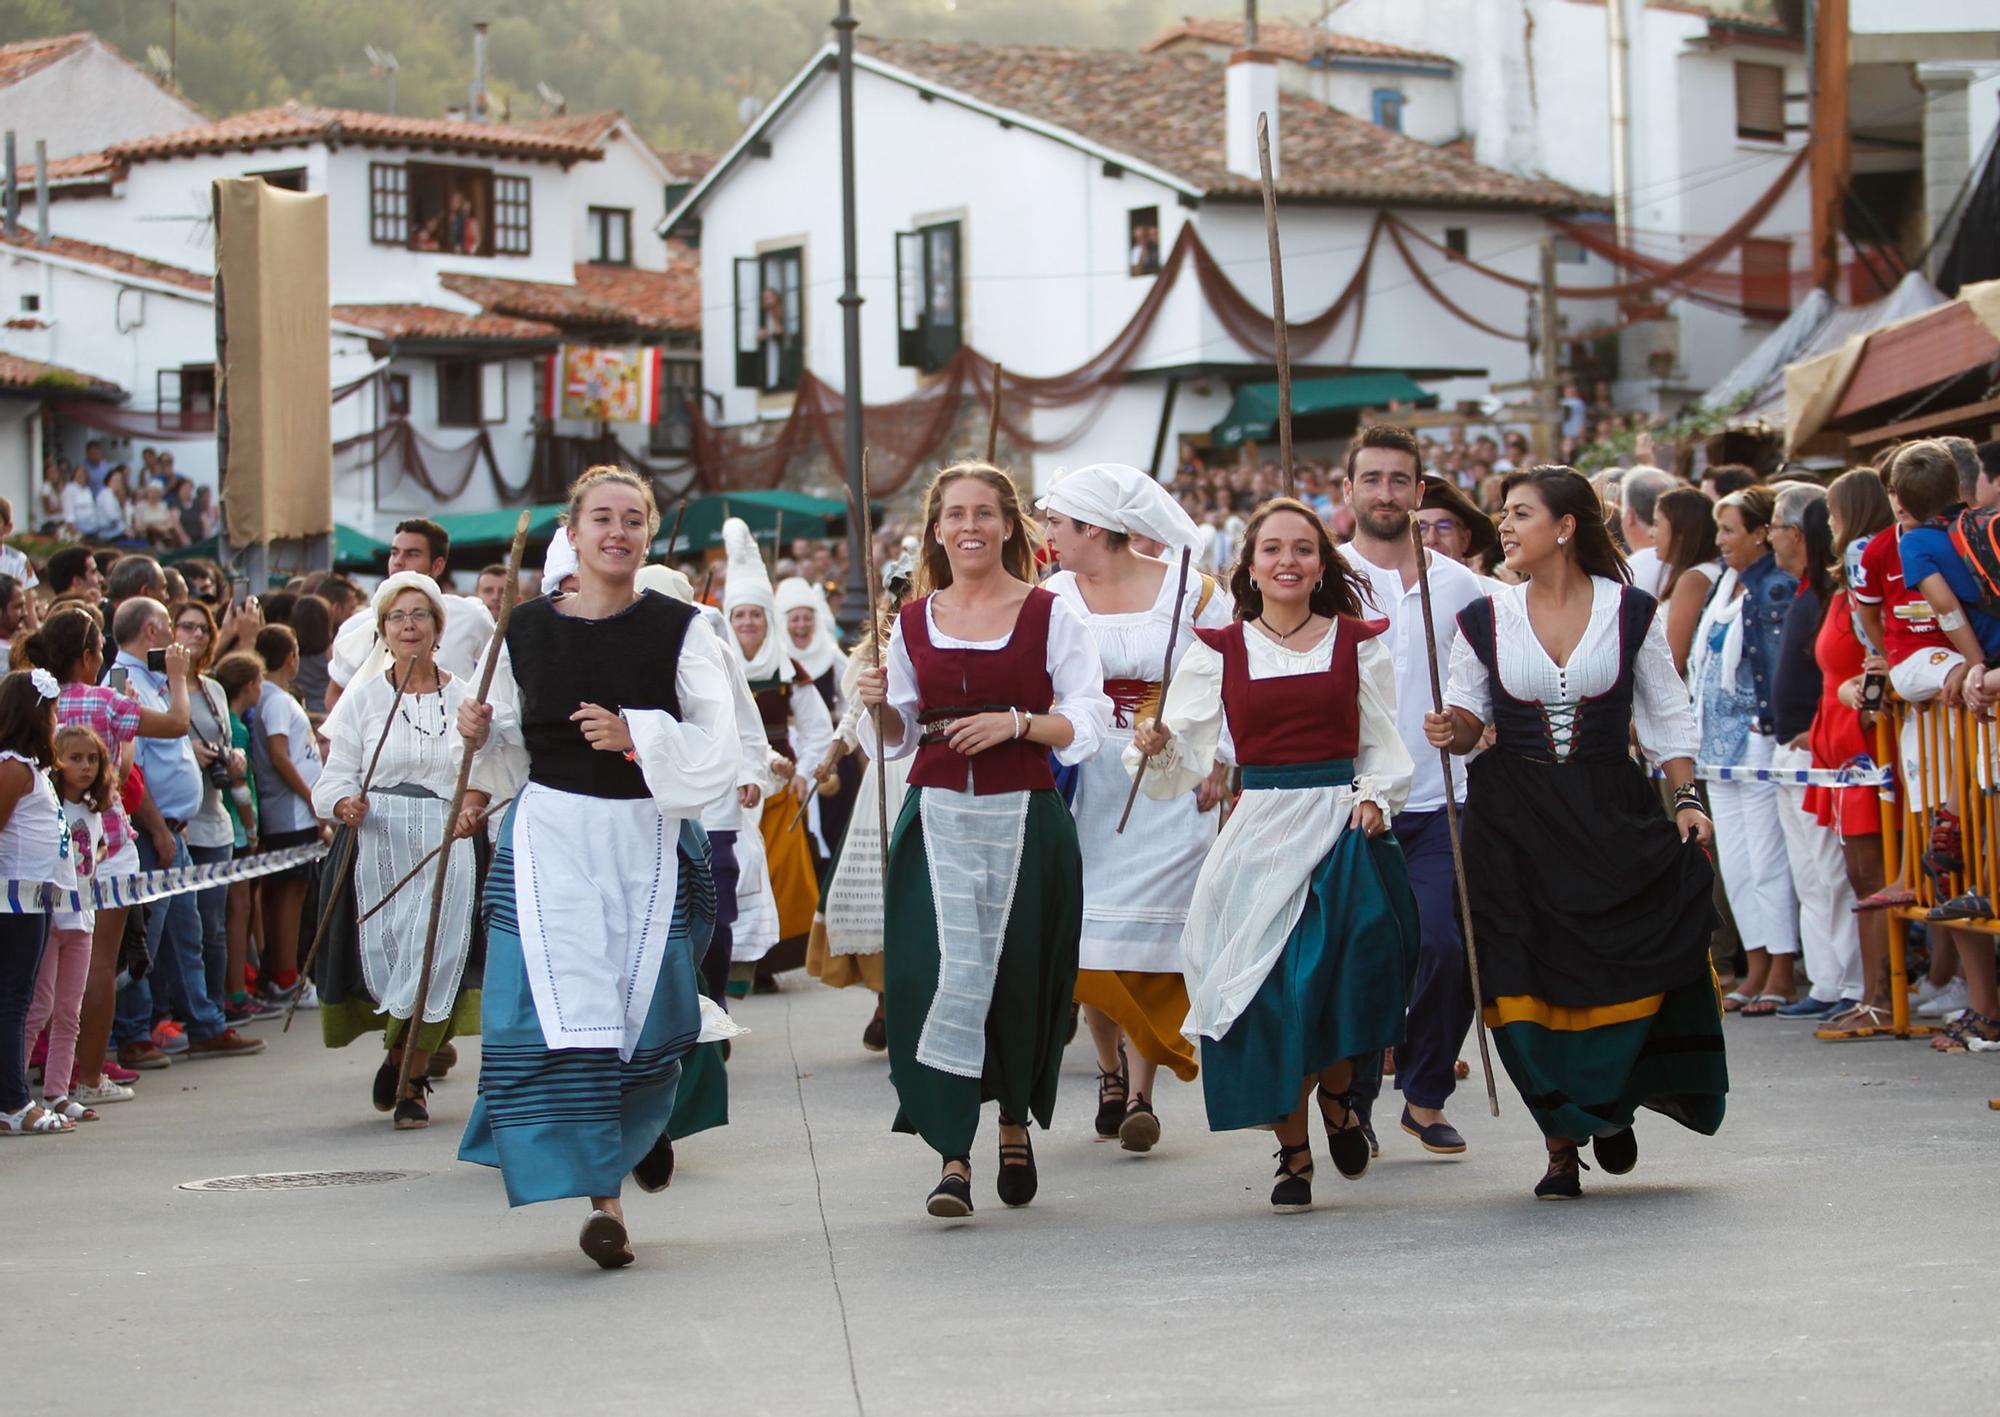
801,515
480,537
352,551
1254,415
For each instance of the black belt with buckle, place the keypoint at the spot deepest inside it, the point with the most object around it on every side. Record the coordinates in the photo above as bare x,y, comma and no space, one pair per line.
175,825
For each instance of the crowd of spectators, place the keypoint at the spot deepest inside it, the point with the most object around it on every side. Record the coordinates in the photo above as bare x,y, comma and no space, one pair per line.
113,503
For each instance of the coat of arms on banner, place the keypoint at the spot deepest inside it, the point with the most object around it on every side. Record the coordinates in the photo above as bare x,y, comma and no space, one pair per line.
608,384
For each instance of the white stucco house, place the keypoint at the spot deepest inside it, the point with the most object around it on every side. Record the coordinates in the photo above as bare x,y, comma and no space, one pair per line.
1028,203
474,269
78,94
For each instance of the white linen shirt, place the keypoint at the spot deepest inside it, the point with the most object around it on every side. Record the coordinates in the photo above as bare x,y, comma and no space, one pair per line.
1453,588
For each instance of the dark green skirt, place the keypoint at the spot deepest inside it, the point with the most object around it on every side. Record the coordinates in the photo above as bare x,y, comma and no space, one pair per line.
1338,991
702,1101
1028,1021
1584,1082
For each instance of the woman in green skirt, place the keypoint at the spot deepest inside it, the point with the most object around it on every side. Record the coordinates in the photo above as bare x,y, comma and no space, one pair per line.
986,675
1592,910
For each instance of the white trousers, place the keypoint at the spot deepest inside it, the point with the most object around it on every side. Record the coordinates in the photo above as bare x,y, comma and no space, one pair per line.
1828,933
1750,850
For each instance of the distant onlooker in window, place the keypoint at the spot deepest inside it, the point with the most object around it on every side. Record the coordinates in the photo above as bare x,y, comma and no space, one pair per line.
79,504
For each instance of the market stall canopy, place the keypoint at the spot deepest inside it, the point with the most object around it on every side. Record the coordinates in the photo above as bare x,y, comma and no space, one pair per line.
1817,326
1254,415
801,514
1906,356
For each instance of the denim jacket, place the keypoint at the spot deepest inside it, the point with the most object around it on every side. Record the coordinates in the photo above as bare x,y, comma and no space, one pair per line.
1767,597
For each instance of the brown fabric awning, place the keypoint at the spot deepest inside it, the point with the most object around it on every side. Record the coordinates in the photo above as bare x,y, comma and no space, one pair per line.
271,249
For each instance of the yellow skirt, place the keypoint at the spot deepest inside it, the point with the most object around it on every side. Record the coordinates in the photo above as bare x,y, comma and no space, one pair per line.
790,858
840,971
1150,1008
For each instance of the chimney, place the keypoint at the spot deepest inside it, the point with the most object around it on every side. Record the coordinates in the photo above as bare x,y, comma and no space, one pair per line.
1251,88
476,96
11,212
41,192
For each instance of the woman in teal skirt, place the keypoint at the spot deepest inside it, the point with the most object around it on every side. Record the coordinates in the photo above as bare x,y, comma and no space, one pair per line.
1302,937
613,708
986,675
1592,909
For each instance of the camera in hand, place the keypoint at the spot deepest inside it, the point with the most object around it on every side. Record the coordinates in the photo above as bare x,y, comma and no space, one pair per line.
217,771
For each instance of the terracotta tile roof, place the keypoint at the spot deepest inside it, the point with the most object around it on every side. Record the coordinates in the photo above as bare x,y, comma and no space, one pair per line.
293,123
25,56
33,376
603,297
429,322
123,262
686,164
1299,43
667,301
591,128
66,171
1167,109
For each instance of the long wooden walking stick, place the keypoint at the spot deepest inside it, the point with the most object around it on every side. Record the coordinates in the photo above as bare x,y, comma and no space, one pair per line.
675,535
347,847
875,643
499,642
1277,307
993,420
1451,821
1166,682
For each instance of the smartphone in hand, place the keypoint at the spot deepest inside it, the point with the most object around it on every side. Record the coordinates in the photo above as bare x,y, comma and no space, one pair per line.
1873,688
120,676
156,660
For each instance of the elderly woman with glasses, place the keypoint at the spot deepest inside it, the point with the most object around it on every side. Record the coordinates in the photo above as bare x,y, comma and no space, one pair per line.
368,971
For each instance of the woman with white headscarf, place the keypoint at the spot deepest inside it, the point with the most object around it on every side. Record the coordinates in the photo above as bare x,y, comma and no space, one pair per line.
367,974
799,728
808,622
1136,884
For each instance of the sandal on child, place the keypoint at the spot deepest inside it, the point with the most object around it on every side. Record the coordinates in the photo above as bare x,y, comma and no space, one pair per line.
69,1111
34,1121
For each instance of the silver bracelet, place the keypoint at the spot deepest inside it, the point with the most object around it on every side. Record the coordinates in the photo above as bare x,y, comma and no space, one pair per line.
1015,714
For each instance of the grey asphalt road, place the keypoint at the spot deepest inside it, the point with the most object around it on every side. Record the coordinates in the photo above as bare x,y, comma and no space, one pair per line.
1827,1252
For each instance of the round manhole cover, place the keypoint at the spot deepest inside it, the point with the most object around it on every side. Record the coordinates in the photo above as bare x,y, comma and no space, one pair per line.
298,1180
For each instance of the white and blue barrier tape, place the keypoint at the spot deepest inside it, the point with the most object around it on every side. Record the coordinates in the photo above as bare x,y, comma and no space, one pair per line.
118,892
1862,772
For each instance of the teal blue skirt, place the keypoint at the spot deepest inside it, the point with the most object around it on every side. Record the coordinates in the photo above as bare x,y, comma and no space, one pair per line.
574,1121
1338,991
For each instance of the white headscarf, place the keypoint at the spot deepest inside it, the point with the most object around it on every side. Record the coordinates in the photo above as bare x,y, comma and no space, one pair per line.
797,593
376,662
667,581
560,562
750,584
1123,499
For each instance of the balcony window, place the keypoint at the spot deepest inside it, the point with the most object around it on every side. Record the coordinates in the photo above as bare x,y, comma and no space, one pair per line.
471,392
770,320
611,236
929,327
431,206
185,399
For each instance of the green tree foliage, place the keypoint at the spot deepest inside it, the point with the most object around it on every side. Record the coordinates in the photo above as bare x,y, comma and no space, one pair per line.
677,68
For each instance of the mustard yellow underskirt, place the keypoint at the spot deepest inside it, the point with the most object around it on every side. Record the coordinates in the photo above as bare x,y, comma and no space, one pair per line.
1150,1008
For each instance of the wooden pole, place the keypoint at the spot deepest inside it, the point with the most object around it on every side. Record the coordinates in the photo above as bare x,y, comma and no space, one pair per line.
1277,307
1832,145
1166,682
1451,821
675,535
993,420
1549,425
875,642
507,598
346,856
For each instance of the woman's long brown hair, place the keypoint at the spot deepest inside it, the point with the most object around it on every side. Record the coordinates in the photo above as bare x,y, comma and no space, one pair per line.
1340,590
1017,556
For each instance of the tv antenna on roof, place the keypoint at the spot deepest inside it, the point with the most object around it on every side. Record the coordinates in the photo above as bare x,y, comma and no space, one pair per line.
554,105
382,65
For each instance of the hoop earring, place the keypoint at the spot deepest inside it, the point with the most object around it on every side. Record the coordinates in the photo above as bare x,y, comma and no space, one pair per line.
1320,584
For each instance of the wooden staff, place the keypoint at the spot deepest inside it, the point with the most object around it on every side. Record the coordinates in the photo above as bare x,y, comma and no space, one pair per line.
993,420
706,581
1277,307
346,856
1451,821
875,642
417,870
675,534
507,597
1166,681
